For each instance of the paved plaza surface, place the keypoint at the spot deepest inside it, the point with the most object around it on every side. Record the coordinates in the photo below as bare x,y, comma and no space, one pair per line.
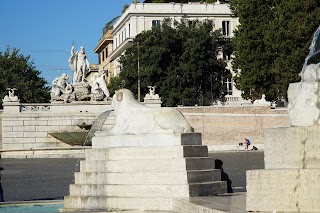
49,179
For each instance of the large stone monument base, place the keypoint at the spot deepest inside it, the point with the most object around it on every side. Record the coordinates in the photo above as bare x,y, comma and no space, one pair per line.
143,172
290,181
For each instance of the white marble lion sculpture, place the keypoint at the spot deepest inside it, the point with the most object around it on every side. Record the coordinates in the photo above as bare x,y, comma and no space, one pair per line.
134,118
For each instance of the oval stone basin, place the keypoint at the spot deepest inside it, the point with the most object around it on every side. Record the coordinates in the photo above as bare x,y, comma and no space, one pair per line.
76,138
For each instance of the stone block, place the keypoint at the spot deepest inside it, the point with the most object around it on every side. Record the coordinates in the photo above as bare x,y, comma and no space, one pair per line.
48,128
288,190
35,123
303,103
146,140
13,146
7,129
150,190
59,122
161,177
12,122
12,135
46,140
63,128
160,152
34,134
292,147
149,165
24,128
130,190
19,140
74,203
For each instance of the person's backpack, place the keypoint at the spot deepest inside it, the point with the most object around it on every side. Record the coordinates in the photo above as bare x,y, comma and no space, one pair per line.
248,142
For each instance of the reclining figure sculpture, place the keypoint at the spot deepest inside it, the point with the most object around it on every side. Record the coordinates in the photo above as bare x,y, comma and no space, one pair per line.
134,118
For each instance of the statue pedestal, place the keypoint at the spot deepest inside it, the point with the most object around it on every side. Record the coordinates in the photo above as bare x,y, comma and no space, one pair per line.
11,106
292,172
149,102
143,172
304,101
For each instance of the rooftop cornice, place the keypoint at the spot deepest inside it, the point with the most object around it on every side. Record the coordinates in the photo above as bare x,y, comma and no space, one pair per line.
104,41
170,9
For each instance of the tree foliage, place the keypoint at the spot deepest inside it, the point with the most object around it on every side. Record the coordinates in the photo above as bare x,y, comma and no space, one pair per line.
180,59
16,71
271,44
184,1
115,84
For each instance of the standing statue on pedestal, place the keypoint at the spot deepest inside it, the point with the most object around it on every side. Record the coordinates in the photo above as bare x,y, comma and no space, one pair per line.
79,64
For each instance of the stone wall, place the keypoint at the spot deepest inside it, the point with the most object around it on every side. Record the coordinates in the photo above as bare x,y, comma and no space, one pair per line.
27,127
223,128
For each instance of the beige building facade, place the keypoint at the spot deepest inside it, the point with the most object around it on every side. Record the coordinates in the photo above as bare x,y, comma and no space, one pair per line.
143,16
104,49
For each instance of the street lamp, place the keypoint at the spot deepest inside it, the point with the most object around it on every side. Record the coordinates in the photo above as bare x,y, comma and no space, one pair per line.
138,73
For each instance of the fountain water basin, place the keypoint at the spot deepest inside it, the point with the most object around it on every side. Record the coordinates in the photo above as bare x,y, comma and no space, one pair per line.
83,137
75,138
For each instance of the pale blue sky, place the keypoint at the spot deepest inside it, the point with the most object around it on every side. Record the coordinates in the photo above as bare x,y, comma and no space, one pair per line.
45,29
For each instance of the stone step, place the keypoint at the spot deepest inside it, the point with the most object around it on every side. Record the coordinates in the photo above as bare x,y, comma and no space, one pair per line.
136,165
160,152
165,190
77,203
142,140
161,177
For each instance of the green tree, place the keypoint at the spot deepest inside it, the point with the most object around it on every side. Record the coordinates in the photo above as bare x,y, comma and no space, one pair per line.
109,26
271,44
292,28
16,71
114,84
252,56
180,59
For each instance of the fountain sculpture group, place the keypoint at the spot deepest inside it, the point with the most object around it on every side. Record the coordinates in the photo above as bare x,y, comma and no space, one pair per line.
85,84
290,181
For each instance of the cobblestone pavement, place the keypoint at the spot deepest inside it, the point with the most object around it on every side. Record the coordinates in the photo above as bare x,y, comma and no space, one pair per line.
49,179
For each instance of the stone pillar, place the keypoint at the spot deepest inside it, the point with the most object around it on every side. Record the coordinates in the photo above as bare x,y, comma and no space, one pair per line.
152,102
11,107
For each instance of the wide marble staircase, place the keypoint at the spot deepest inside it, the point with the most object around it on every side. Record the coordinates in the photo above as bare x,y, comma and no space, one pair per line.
144,177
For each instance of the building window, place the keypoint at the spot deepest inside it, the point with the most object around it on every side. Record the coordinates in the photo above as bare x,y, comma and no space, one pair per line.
226,57
229,86
155,23
226,28
129,30
102,57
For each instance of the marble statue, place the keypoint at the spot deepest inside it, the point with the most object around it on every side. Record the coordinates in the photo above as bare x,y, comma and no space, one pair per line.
61,89
134,118
152,93
304,96
310,70
262,101
99,88
79,64
11,96
59,84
